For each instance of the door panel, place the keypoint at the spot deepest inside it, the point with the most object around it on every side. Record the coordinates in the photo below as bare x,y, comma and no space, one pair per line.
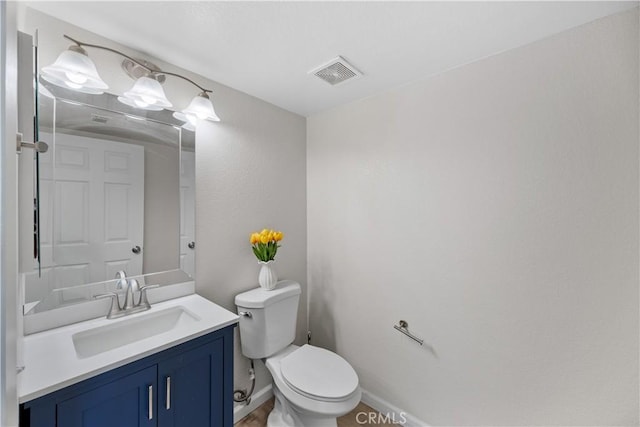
189,383
121,403
72,221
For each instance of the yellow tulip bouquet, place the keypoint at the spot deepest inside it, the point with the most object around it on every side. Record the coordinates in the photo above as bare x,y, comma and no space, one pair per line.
265,244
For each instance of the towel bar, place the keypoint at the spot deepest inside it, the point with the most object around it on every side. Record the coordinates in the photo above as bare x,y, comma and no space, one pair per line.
403,327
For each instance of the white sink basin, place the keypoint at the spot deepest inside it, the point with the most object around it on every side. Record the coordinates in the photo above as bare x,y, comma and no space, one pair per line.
127,331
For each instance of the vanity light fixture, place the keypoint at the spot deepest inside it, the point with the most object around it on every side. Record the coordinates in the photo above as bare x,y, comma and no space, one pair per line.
74,70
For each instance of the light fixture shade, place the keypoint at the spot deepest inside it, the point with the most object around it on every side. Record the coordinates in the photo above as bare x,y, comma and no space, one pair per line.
76,71
200,108
147,94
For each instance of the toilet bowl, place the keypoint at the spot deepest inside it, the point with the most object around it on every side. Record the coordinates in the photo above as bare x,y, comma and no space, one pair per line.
312,386
316,385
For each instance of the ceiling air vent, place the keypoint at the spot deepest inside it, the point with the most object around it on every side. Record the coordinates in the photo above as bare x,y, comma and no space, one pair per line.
99,119
336,71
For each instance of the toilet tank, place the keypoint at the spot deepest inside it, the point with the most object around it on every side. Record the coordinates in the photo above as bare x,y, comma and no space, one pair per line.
271,325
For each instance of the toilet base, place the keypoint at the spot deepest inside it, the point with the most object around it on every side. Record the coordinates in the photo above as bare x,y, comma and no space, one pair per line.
283,415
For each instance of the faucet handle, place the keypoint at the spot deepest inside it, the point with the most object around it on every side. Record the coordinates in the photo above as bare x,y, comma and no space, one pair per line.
115,303
143,295
121,277
135,286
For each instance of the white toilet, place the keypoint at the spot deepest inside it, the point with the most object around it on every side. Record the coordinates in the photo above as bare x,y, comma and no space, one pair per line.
313,386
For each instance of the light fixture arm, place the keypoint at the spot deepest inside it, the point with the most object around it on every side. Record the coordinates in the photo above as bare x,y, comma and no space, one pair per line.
83,44
183,78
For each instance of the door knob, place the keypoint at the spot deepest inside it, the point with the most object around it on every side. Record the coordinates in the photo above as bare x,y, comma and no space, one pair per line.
136,250
191,245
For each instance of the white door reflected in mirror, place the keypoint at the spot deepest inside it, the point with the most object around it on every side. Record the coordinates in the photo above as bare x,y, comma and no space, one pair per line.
97,214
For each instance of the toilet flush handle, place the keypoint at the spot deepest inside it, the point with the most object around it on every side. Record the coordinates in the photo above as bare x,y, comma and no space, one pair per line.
246,314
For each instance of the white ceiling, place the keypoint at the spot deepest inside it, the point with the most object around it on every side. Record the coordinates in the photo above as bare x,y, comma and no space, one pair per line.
267,48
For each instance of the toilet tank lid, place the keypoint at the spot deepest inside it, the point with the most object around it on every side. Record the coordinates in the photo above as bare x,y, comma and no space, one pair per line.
260,298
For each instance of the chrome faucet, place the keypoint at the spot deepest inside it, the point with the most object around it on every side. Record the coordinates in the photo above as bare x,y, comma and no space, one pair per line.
129,307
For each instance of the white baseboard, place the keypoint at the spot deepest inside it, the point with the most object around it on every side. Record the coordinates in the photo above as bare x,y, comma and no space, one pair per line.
395,414
240,410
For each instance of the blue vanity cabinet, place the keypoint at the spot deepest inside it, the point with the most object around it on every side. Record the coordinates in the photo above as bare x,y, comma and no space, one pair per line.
189,385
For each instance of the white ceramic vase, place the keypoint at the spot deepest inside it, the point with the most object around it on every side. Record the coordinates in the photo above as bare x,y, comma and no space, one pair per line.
267,276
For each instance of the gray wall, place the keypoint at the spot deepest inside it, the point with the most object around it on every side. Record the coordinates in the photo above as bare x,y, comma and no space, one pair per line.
250,174
495,208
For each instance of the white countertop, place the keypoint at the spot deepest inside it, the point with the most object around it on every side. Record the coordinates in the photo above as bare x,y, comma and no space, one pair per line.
51,362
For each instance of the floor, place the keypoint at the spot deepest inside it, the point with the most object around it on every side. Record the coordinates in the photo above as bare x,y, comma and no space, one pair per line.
362,415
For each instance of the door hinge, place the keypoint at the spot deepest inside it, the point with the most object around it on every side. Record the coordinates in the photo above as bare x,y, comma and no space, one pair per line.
308,337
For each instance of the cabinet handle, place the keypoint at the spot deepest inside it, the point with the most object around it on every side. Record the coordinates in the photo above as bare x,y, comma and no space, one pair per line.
168,405
150,394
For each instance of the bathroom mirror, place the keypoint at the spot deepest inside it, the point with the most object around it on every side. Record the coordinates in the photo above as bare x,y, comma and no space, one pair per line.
116,192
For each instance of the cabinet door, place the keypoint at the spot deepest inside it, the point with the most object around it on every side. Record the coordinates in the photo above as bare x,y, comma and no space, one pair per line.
127,402
191,388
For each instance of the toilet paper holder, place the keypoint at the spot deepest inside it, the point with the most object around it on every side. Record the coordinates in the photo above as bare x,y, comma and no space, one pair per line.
403,326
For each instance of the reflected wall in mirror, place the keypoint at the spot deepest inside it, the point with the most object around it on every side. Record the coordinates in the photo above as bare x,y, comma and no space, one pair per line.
117,192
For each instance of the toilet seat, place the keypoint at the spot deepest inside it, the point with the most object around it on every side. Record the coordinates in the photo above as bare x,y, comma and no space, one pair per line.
319,374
